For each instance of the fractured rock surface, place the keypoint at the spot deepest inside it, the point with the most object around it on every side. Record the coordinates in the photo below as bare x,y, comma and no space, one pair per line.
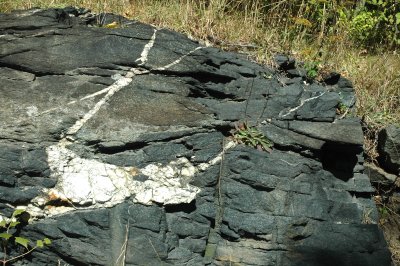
116,141
389,149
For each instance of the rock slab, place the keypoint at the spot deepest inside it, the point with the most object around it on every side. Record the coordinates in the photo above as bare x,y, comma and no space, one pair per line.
389,149
118,144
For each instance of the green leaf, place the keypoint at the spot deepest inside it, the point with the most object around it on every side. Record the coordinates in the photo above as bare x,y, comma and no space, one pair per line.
5,236
13,224
47,241
253,142
22,241
3,223
39,243
17,212
266,146
398,18
267,76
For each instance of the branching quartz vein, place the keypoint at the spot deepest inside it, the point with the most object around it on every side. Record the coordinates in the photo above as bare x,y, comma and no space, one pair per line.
119,84
145,53
116,87
97,93
302,102
88,183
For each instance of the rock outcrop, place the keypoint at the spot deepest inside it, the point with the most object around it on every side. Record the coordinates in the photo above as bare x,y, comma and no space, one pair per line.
389,149
117,142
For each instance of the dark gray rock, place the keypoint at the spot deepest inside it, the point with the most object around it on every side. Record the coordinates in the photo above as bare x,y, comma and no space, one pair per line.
298,72
345,132
331,78
378,175
17,196
284,62
118,143
389,149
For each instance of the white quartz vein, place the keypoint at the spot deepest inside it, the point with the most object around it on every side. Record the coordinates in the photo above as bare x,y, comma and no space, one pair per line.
75,101
177,61
145,53
95,184
88,183
115,87
119,84
302,102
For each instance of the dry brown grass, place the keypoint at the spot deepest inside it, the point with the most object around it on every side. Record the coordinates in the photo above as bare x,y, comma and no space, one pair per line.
390,223
97,5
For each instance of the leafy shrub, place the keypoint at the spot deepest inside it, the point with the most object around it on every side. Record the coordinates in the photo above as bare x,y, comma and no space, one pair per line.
369,23
377,22
9,232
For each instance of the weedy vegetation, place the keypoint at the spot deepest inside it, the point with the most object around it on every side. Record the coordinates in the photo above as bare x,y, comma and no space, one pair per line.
342,109
251,136
10,238
312,69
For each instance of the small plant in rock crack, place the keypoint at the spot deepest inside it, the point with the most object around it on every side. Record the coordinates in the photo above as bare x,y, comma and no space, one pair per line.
9,236
312,69
341,109
251,136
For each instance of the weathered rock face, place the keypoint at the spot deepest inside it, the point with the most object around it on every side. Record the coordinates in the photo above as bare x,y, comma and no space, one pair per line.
389,149
116,141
